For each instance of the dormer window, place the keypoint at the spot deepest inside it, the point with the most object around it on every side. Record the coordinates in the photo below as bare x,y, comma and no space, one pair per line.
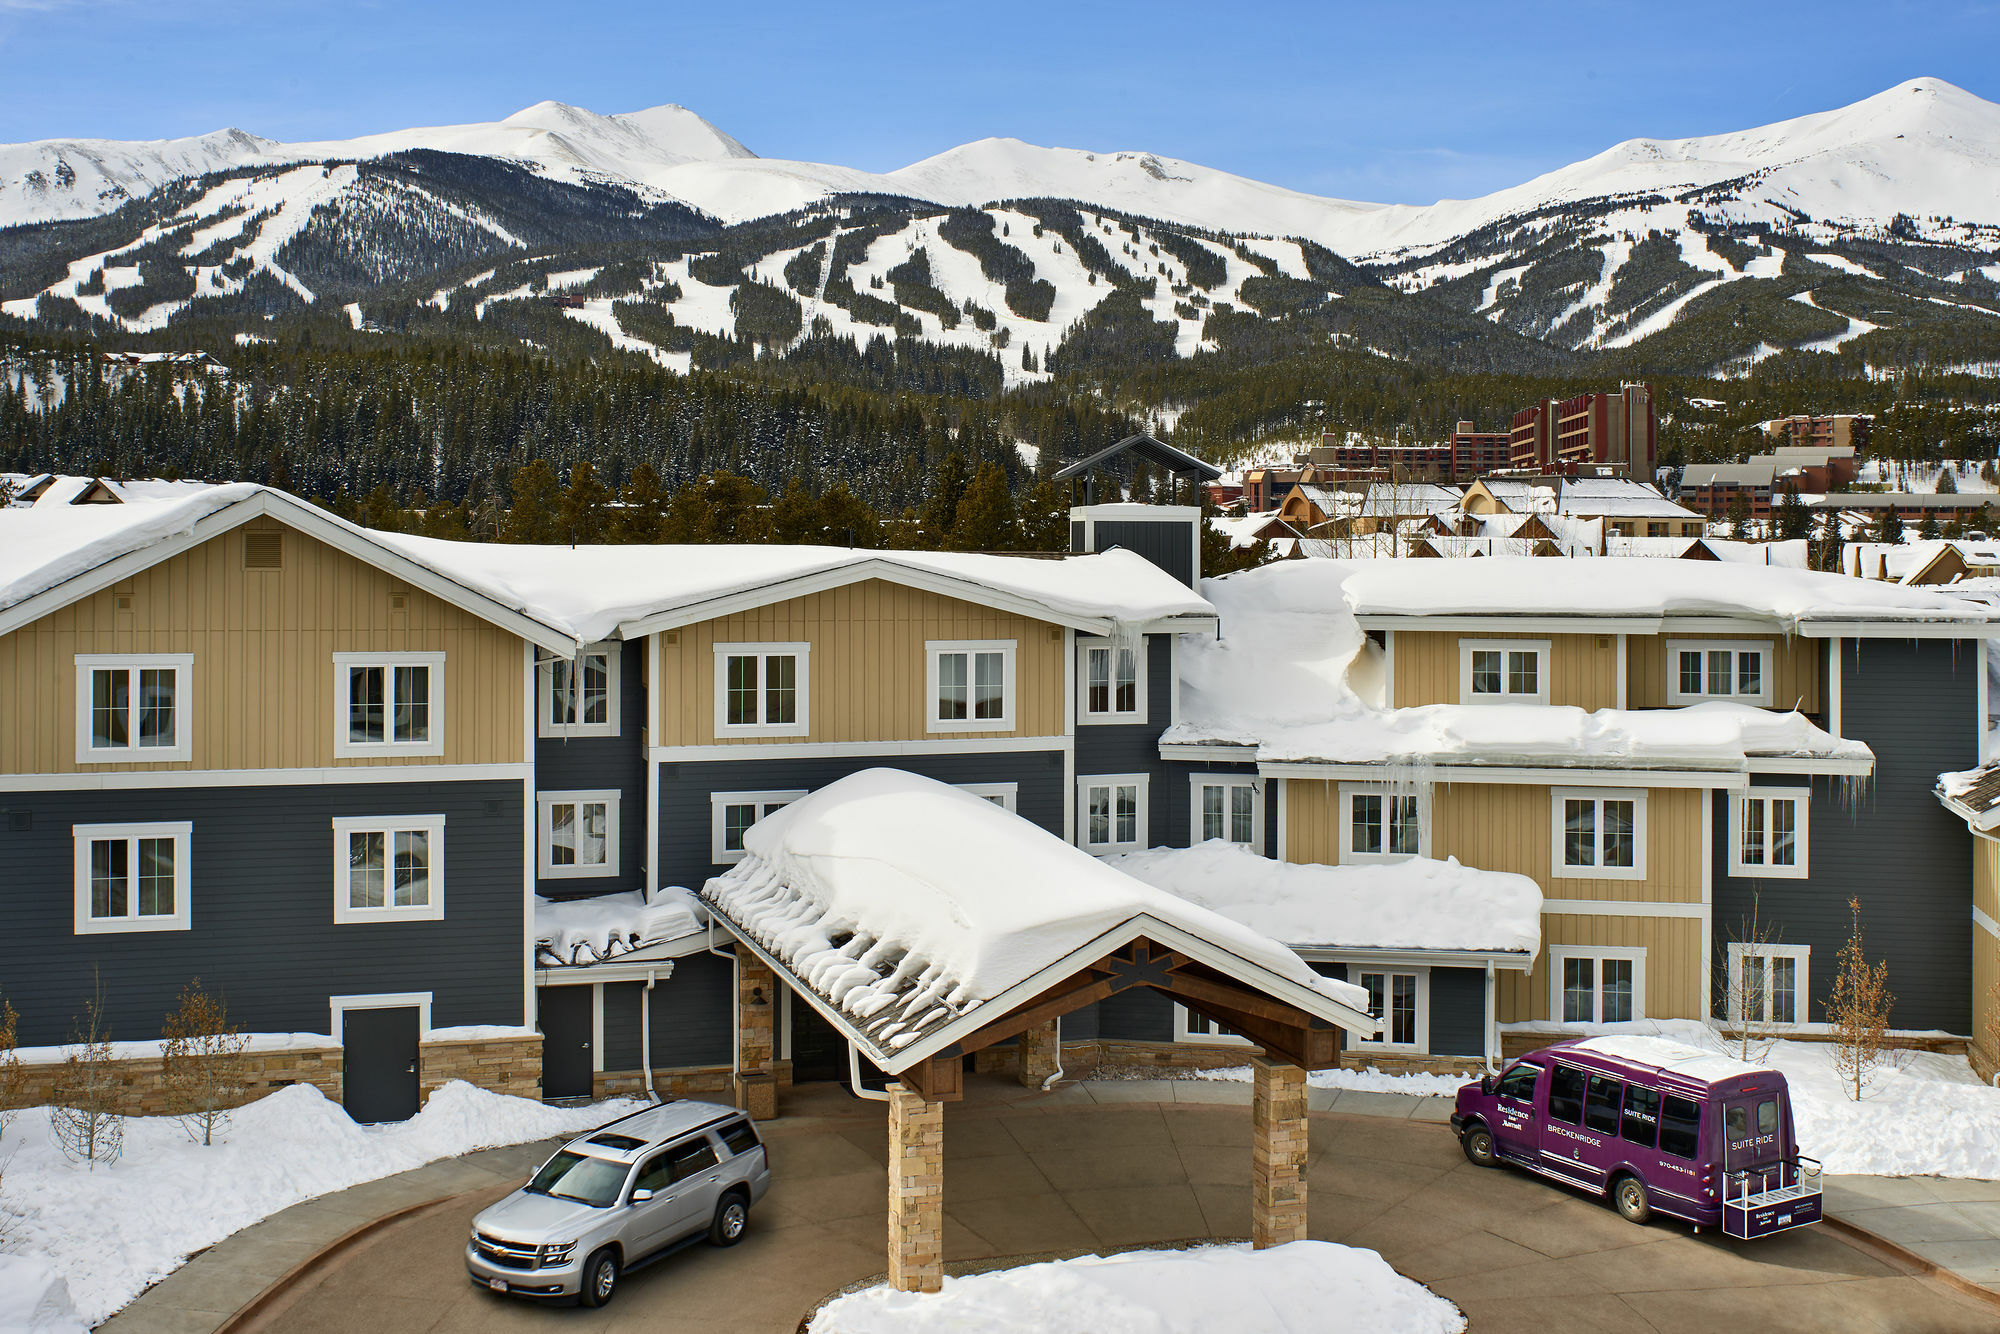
1712,669
1503,671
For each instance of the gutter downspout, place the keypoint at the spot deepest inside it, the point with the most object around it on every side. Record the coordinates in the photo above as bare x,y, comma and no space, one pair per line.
1492,1020
646,1032
854,1077
735,1010
1056,1078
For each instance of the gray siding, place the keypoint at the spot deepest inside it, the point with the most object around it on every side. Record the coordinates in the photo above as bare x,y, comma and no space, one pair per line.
1886,842
1141,1014
685,789
595,763
693,1019
1134,748
261,907
1168,543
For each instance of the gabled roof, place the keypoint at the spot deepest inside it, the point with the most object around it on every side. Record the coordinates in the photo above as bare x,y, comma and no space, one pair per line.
1618,497
1157,452
911,915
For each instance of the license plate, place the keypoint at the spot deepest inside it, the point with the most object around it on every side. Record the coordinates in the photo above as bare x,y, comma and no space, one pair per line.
497,1284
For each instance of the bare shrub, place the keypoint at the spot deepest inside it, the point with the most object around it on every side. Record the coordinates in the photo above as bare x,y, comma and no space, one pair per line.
13,1079
1858,1009
85,1120
203,1066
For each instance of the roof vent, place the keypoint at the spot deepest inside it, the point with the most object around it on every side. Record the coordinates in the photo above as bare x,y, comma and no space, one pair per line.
264,550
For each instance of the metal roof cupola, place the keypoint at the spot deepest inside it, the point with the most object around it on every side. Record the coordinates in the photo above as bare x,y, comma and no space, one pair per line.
1165,530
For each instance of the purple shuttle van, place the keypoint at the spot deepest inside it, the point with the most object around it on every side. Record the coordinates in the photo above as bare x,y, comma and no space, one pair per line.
1657,1126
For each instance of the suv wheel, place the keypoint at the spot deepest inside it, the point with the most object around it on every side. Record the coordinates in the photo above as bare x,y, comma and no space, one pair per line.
1478,1145
731,1217
600,1278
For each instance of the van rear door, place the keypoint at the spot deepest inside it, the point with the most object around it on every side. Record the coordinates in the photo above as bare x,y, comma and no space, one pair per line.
1752,1137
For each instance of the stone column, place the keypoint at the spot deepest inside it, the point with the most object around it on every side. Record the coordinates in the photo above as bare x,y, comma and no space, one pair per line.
916,1192
1040,1058
756,1037
1278,1154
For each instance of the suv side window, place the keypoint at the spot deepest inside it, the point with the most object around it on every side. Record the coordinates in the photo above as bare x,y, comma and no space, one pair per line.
684,1160
739,1137
655,1176
1519,1082
1566,1094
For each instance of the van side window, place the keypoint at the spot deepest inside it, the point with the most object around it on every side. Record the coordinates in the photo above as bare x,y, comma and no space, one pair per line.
739,1137
1767,1117
1566,1094
1600,1108
1519,1082
687,1159
1680,1126
1641,1124
1736,1122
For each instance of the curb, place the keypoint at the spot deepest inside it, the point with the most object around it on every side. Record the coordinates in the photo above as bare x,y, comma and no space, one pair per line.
1864,1240
240,1318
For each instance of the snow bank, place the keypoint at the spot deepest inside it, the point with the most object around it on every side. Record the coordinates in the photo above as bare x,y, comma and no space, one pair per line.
1300,1286
110,1232
1414,904
1294,676
34,1299
1614,586
1923,1115
586,931
1410,1083
905,901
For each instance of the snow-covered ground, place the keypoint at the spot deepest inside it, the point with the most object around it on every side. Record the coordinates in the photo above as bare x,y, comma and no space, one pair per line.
1416,1084
110,1232
1307,1285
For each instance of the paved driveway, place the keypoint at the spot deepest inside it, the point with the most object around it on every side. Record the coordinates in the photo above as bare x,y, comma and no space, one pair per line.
1050,1174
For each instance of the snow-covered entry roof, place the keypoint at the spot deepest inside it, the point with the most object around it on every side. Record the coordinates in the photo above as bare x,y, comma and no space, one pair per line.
1973,794
1630,587
906,904
1290,677
1418,904
587,931
595,589
48,545
1705,1067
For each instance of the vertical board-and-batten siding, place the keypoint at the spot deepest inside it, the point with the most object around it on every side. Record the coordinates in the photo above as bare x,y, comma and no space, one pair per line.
1793,666
1986,952
1582,669
263,643
1507,827
868,675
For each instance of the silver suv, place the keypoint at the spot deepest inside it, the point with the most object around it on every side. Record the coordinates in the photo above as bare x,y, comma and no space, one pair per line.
629,1192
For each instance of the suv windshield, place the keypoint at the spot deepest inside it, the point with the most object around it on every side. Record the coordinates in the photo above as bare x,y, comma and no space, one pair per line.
574,1176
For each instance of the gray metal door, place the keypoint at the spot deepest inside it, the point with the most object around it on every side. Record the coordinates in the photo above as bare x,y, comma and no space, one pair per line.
567,1068
379,1064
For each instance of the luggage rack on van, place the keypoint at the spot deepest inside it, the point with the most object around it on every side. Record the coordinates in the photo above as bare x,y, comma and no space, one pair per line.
1764,1200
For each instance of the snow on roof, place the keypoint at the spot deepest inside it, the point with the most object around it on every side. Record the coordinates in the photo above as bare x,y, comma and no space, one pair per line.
592,590
1291,677
904,902
1706,1067
1597,497
1973,793
586,931
1396,498
48,545
1728,474
1640,588
1418,904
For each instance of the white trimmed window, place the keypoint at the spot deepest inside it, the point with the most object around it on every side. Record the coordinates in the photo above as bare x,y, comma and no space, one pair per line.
579,834
132,877
1401,999
1381,823
1705,669
1004,795
1114,682
970,685
134,707
763,689
1767,983
1503,671
1600,833
732,813
1767,832
1597,984
1228,807
388,868
388,704
1200,1029
579,696
1111,813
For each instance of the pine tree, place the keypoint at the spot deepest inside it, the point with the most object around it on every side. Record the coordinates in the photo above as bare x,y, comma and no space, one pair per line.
940,513
1044,516
986,520
581,515
795,518
535,516
1889,528
642,507
1794,519
1739,513
846,520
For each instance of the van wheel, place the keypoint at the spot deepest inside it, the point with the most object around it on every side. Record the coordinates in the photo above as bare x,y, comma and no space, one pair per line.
731,1217
1478,1145
1629,1195
600,1278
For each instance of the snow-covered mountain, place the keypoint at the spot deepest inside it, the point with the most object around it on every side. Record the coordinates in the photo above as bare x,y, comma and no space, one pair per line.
1817,233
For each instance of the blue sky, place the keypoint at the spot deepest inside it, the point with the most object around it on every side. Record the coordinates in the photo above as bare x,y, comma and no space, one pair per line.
1398,103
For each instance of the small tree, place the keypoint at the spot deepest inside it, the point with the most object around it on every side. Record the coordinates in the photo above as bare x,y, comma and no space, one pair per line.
1746,986
1889,528
13,1081
203,1065
1858,1010
85,1119
1739,513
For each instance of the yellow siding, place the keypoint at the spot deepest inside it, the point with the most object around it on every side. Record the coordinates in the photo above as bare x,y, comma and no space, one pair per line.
867,675
1986,877
263,643
1795,666
1674,951
1583,669
1985,958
